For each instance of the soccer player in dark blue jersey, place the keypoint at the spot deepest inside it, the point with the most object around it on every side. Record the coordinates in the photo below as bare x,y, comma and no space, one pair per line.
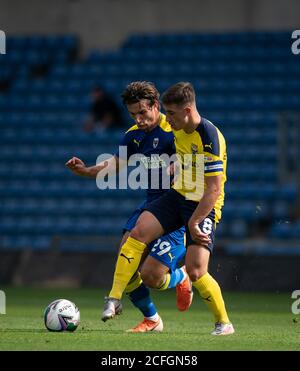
150,137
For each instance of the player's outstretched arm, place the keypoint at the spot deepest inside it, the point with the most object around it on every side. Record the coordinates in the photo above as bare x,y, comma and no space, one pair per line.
78,167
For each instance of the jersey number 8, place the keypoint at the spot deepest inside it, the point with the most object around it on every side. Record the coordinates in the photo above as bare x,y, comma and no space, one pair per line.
207,226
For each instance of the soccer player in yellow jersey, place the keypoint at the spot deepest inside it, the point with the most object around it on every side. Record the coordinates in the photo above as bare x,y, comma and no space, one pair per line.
198,208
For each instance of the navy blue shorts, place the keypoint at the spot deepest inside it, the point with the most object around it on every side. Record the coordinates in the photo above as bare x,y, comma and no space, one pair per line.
173,211
168,249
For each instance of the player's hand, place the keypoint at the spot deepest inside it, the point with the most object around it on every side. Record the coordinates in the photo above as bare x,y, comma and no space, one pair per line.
197,235
173,171
77,166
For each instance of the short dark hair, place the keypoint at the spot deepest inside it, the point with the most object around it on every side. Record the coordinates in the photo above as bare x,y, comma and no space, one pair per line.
139,90
180,93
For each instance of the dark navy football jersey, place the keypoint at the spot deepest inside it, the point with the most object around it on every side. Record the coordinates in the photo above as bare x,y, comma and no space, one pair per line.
151,150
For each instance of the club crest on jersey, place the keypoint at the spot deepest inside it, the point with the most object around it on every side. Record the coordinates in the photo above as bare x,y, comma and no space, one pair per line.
194,148
155,142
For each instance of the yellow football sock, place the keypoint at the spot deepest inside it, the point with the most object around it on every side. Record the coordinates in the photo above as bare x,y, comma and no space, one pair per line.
127,264
210,292
134,283
165,285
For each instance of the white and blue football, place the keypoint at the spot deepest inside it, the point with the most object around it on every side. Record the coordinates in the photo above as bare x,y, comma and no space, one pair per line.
61,315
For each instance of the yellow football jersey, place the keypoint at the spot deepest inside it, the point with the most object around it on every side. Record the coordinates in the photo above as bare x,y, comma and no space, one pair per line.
201,153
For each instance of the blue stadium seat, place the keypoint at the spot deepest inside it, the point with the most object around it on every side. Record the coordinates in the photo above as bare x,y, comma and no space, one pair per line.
243,80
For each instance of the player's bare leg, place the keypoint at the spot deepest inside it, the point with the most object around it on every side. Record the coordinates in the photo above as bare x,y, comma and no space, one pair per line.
158,276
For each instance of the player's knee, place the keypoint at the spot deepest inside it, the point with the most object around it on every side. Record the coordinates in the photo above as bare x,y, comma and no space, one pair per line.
137,234
151,279
195,273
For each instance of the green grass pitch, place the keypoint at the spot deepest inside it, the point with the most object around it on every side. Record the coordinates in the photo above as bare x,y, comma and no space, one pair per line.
262,322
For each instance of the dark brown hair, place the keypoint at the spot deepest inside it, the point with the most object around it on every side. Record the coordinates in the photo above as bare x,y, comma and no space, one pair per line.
138,90
180,93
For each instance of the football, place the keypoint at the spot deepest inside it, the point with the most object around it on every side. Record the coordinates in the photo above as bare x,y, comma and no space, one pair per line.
61,315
